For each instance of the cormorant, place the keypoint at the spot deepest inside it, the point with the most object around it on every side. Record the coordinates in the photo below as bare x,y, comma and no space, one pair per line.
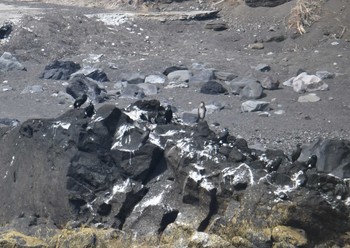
296,153
80,101
168,114
89,110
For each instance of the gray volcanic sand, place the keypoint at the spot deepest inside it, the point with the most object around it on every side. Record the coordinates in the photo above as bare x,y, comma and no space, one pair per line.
47,32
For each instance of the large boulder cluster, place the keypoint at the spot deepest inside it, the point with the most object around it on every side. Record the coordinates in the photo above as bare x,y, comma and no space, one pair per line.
126,170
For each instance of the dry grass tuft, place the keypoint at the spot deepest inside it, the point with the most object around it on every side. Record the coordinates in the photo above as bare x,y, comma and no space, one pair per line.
304,14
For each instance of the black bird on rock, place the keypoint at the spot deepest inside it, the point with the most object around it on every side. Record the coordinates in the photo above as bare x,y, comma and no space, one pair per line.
311,163
80,101
223,135
89,110
296,153
168,114
274,165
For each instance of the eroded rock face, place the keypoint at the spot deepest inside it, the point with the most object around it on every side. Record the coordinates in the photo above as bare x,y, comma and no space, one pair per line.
125,169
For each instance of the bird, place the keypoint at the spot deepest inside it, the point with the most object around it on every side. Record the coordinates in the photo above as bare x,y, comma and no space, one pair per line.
80,101
89,110
311,163
223,135
274,165
201,111
168,114
296,153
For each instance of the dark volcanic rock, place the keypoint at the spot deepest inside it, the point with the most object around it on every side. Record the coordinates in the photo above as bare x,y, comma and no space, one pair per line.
171,69
218,26
133,78
213,88
6,29
123,169
333,156
95,74
81,84
60,70
265,3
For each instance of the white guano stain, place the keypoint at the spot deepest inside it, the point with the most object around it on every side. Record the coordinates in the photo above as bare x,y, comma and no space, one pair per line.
119,188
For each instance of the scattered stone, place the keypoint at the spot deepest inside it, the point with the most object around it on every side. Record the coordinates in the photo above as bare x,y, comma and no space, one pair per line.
219,26
32,89
279,112
149,89
80,85
264,114
95,74
312,97
269,83
202,77
9,122
133,78
242,82
251,91
173,85
276,38
180,76
325,75
132,91
8,63
6,88
257,46
306,83
6,29
224,76
60,70
236,90
171,69
213,88
211,107
263,67
155,79
265,3
251,106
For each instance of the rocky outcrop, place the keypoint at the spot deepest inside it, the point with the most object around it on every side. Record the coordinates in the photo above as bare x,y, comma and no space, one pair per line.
129,171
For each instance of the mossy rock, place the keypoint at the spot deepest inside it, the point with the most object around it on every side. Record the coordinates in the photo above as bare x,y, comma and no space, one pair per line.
91,237
238,241
286,236
202,240
14,239
176,235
